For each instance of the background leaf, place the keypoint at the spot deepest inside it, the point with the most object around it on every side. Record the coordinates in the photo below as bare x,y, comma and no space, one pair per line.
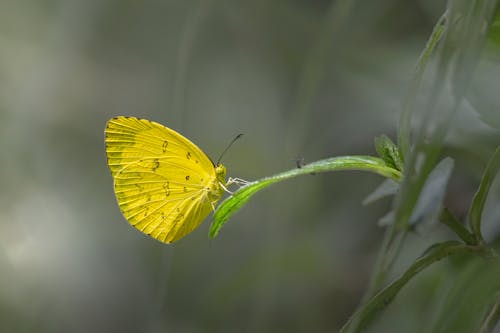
433,192
368,311
481,195
482,93
387,188
473,281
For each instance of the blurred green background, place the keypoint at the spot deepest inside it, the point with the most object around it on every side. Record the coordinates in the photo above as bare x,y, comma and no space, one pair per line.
298,78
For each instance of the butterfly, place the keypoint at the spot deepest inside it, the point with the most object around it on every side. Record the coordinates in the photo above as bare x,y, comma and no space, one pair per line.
164,184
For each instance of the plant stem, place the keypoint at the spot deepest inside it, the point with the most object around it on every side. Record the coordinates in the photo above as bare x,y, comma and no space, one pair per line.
363,163
381,300
479,200
387,256
447,218
409,101
491,318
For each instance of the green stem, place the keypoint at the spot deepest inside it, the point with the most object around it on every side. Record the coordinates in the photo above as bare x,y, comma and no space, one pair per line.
492,318
364,163
447,218
387,256
479,200
393,241
408,103
427,145
363,316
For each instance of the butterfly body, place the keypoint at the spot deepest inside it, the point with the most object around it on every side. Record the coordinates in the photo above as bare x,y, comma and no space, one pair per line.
164,184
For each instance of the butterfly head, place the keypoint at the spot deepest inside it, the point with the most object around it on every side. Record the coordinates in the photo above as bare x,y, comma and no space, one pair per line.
220,172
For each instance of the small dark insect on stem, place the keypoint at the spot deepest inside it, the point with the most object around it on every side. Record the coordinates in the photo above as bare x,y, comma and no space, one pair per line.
228,146
300,161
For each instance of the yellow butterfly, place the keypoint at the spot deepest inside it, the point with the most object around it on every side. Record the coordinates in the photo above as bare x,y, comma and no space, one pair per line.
164,184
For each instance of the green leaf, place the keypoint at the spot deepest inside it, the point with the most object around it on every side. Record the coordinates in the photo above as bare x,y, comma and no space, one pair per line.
468,302
233,203
367,312
447,218
476,210
456,61
387,188
492,317
388,151
431,197
387,219
404,128
469,39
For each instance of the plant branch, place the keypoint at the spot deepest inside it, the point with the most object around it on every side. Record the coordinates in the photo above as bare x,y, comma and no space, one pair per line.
364,163
388,253
481,195
408,103
492,317
448,219
366,313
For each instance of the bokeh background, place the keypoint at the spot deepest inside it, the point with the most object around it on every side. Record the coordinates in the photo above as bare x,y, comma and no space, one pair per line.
301,79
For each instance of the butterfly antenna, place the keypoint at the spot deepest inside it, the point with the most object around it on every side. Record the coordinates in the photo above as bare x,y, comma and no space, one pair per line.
228,146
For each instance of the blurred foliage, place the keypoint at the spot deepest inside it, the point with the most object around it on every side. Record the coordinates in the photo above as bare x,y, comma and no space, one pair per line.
299,85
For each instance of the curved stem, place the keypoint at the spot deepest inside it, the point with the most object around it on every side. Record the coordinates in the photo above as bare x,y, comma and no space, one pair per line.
381,300
364,163
492,318
448,219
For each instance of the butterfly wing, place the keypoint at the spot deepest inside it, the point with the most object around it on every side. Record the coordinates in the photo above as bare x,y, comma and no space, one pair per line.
164,184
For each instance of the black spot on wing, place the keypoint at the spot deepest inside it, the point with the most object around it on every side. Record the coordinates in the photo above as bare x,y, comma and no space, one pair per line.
156,164
166,187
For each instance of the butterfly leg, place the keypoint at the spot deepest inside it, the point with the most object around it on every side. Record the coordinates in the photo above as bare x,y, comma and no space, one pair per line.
238,181
214,204
225,188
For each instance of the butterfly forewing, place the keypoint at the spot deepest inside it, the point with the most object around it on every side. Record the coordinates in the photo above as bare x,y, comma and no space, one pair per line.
130,139
162,179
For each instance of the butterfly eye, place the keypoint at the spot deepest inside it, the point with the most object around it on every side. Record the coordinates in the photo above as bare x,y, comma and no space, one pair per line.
220,171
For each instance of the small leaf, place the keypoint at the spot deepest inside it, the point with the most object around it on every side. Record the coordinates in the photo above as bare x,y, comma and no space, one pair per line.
232,204
388,151
432,194
476,210
448,219
387,188
386,220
